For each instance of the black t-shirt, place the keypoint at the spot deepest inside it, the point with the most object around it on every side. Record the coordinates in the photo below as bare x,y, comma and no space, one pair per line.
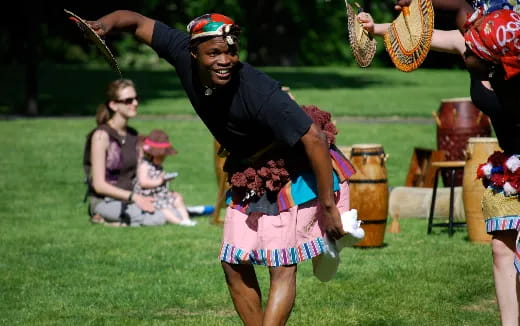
500,106
244,116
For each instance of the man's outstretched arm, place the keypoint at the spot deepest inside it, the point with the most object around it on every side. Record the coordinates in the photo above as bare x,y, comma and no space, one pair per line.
124,20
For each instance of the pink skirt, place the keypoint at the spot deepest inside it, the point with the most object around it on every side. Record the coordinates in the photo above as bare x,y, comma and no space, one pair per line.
286,239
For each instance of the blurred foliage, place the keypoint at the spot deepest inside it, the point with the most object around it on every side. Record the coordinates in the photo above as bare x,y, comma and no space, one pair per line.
275,32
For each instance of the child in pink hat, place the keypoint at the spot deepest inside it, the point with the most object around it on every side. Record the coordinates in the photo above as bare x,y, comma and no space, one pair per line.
153,181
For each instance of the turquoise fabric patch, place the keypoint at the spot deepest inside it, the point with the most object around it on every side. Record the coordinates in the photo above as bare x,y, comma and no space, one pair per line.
304,187
213,26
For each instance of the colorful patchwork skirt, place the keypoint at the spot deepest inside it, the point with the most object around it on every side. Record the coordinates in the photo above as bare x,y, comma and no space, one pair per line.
289,238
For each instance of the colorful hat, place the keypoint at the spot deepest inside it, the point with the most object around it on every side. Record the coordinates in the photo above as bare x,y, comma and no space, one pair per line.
494,40
213,25
157,143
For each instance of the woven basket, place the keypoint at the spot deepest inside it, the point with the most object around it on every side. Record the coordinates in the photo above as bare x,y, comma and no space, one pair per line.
409,37
363,45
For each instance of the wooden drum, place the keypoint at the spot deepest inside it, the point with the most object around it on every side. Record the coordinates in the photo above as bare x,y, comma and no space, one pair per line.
369,191
459,119
477,152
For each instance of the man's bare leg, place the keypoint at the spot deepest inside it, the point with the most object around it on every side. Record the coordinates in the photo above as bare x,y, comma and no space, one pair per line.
282,294
505,275
245,292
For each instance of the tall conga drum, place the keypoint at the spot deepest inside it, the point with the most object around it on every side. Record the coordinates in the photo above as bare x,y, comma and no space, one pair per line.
369,192
477,152
458,119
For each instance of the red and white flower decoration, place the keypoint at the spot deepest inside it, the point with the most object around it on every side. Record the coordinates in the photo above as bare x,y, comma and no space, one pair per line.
501,172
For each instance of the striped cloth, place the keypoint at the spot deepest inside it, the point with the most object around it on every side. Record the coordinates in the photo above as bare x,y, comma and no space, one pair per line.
517,257
503,223
274,257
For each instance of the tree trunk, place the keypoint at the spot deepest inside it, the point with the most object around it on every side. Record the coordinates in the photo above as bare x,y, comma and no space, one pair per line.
30,54
31,87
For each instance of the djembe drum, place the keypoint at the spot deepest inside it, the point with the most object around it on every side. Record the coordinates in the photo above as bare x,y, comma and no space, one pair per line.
458,120
369,191
478,151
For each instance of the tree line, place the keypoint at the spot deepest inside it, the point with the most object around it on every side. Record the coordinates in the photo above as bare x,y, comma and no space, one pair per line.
274,32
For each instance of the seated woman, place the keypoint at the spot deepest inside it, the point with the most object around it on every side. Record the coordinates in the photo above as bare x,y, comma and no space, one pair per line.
110,162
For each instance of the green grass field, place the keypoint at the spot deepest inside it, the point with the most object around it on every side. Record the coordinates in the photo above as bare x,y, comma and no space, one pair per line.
57,269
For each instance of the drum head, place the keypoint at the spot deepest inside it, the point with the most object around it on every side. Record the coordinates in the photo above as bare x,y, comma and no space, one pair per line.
456,99
366,146
482,140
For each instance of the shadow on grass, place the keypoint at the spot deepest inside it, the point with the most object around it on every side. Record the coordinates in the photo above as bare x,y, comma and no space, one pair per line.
381,246
77,90
336,78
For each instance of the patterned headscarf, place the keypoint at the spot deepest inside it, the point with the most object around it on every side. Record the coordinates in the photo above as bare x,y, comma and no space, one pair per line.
213,25
496,39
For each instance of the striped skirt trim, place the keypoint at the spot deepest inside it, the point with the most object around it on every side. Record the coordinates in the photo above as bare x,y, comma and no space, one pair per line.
502,223
272,257
505,223
517,257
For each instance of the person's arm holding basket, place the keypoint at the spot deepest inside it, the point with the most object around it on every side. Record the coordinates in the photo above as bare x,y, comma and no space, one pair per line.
450,41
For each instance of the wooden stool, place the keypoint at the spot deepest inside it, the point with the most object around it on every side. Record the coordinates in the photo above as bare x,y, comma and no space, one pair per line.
451,167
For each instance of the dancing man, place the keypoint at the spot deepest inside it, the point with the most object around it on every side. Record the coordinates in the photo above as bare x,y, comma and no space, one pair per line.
288,183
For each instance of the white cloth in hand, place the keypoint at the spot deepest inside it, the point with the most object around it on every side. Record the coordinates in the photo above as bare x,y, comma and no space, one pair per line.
325,265
352,226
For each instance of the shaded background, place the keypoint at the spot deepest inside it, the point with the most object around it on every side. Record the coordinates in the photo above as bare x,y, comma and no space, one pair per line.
275,33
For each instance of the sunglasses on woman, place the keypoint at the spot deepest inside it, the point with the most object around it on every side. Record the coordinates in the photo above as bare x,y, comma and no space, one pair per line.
128,100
